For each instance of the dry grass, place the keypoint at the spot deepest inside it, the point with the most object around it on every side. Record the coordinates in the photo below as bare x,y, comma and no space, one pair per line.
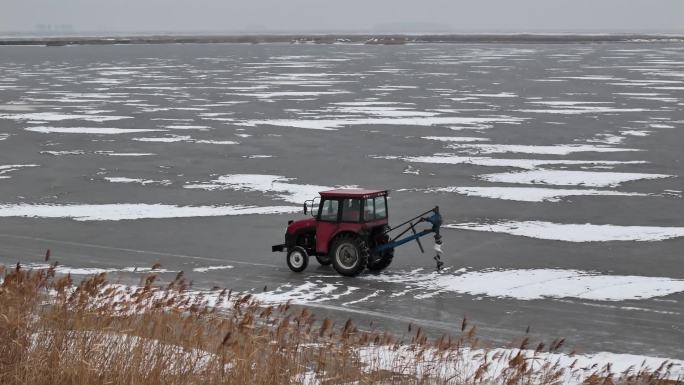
55,332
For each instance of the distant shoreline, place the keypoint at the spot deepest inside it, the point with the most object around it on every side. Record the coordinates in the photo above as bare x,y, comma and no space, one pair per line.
382,39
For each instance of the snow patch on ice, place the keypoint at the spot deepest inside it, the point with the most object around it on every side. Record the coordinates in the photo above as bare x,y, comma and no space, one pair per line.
56,116
583,110
570,178
333,124
279,187
87,130
183,138
96,270
561,149
636,132
307,292
112,153
529,164
65,152
181,127
211,268
528,194
7,168
456,138
286,94
533,284
133,211
141,181
574,232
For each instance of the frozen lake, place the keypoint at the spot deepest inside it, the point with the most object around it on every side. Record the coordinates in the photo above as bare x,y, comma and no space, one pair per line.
557,169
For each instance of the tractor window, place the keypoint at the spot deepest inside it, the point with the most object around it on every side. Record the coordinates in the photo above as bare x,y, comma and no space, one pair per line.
380,208
351,210
368,210
374,209
329,210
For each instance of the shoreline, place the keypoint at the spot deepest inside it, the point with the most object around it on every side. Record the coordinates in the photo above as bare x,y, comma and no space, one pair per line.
378,39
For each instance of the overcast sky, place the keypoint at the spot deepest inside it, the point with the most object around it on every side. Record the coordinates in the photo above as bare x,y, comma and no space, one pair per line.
346,15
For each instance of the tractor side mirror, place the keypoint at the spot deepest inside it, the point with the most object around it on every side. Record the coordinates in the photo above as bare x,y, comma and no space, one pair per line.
305,209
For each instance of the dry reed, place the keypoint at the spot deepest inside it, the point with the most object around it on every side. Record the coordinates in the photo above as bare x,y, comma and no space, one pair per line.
56,332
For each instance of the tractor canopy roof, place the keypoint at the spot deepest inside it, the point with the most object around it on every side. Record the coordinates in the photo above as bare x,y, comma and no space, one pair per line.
352,193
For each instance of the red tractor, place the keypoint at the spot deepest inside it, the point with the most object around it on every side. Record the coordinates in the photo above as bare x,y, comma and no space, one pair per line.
349,229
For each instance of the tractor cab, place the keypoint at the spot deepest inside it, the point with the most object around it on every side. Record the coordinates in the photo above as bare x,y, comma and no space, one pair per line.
347,228
355,211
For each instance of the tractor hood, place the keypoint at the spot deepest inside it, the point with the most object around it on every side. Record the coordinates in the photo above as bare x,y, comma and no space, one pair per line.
294,226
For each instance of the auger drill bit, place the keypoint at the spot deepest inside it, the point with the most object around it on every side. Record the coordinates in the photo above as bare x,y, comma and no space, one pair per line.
438,251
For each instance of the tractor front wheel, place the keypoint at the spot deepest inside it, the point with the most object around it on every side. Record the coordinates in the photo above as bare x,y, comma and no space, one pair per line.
349,255
297,259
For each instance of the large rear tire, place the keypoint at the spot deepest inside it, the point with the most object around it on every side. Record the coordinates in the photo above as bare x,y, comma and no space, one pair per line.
349,255
297,259
379,263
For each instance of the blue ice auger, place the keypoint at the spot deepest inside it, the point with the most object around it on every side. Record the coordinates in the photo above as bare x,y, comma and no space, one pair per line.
435,219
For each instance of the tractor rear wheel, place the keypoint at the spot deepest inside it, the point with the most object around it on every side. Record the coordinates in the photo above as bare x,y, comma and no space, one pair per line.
349,255
324,260
381,262
297,259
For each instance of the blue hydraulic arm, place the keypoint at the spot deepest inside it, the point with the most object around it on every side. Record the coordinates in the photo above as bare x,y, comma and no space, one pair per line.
435,219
